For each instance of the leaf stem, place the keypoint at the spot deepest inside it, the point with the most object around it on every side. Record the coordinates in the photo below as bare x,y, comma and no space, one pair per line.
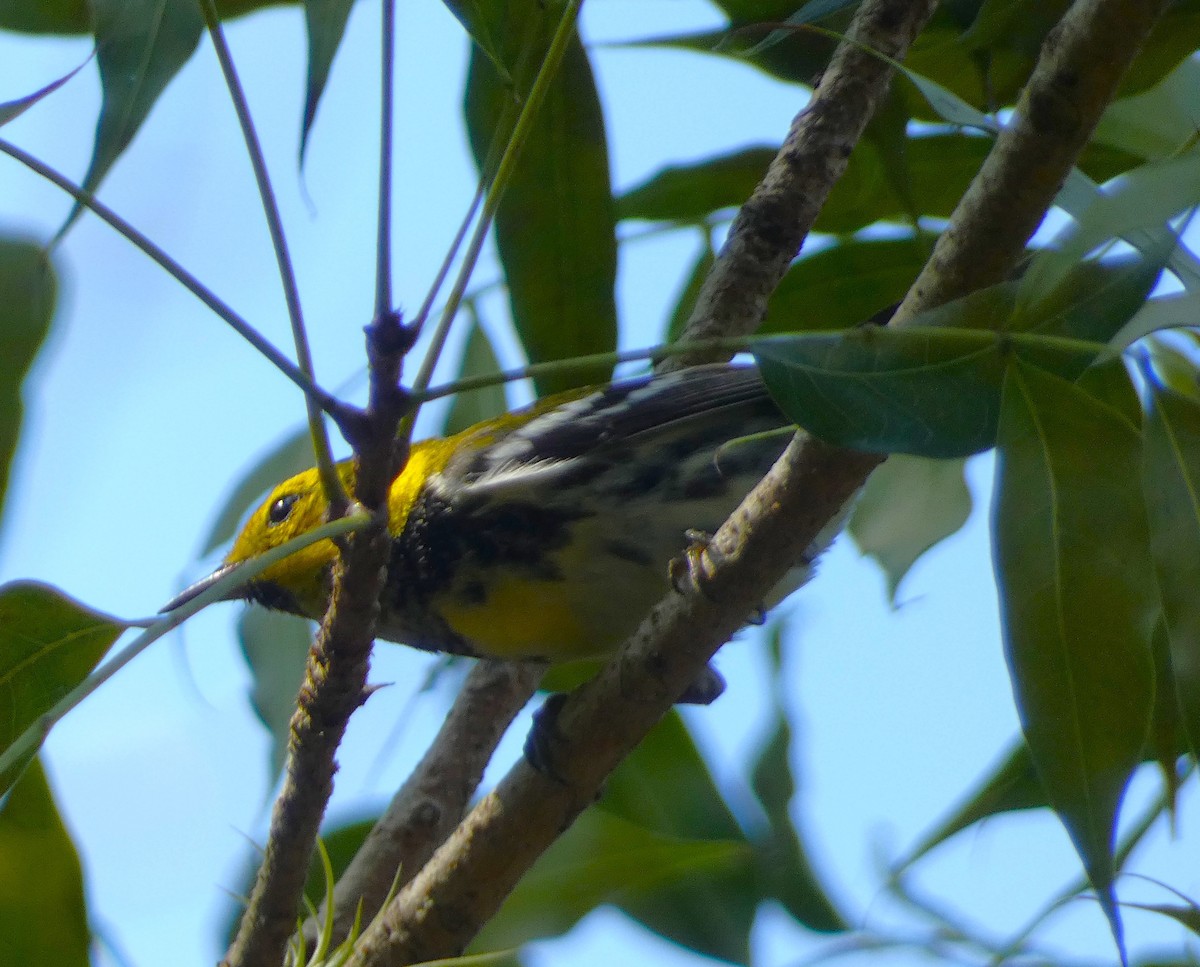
383,235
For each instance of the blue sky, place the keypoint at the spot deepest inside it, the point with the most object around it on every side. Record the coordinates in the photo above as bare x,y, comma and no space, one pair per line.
144,409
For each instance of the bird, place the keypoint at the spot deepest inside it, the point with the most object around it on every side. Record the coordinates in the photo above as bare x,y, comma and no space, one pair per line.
545,534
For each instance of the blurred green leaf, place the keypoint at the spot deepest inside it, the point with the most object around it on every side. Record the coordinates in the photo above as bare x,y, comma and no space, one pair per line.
14,109
140,46
1171,481
784,868
1078,602
289,457
275,646
1158,122
28,290
556,225
1108,381
605,859
1013,784
1186,916
325,23
75,17
41,890
665,786
49,643
845,284
469,408
484,22
1165,312
908,505
692,192
686,301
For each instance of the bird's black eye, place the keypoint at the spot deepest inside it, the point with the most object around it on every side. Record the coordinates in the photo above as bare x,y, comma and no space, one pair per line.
280,509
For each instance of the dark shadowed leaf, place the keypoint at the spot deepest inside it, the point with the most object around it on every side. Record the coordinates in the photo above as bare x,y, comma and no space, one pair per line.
49,643
785,871
484,22
556,225
845,284
605,859
908,505
469,408
41,892
692,192
74,16
289,457
1078,602
275,646
27,295
686,301
325,22
1171,480
140,46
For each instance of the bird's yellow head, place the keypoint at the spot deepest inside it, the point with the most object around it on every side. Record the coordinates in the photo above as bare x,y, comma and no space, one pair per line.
301,582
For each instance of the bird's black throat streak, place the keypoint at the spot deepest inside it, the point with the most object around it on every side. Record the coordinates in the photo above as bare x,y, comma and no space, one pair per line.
273,597
454,545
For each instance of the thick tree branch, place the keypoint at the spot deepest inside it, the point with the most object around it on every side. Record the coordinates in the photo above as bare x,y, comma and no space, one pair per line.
772,225
336,677
434,798
471,874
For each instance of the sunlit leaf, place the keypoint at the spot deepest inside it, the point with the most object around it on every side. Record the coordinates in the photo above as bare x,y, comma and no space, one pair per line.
1078,602
556,226
325,22
140,46
275,646
1157,122
908,505
1171,480
28,288
41,892
469,408
49,643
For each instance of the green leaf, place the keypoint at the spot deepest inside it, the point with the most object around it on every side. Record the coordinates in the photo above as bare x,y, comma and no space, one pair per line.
140,46
289,457
1166,312
604,859
325,23
1012,785
845,284
1186,916
692,192
665,787
28,287
41,892
932,392
908,505
556,225
784,868
473,406
1157,122
14,109
686,301
275,646
484,22
46,16
49,643
1171,481
1078,602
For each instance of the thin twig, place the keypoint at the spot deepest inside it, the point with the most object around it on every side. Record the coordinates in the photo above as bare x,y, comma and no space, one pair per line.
331,483
435,796
383,234
325,400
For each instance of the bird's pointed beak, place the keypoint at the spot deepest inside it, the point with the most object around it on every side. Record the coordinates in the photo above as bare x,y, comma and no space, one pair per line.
237,591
